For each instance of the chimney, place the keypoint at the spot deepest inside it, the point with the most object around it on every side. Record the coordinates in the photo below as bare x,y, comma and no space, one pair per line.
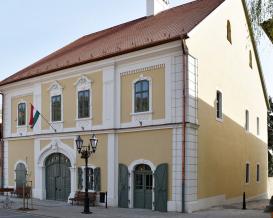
156,6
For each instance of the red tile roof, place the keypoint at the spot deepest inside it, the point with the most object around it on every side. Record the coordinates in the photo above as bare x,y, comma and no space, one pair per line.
145,32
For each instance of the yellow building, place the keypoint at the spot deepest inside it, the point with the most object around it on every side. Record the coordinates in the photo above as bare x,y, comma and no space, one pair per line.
176,99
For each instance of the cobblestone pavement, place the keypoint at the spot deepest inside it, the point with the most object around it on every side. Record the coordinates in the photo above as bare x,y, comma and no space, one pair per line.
64,210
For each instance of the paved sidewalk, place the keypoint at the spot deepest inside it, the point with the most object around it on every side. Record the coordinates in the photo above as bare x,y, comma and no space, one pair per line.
64,210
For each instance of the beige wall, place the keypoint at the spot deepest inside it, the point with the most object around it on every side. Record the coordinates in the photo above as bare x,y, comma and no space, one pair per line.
14,106
99,159
224,147
21,150
69,100
155,146
158,93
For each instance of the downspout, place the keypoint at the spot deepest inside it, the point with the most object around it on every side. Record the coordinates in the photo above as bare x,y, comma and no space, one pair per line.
2,143
184,88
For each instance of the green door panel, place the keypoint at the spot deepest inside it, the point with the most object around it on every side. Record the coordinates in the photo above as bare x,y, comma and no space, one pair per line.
20,173
97,179
58,184
161,187
123,186
143,185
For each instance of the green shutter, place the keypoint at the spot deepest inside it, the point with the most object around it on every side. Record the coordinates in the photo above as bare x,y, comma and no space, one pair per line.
161,187
80,180
123,186
97,179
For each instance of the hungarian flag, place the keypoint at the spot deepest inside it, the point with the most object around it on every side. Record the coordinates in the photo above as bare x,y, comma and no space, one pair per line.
33,116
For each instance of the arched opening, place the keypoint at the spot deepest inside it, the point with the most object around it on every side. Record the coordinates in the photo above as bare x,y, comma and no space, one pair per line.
143,186
57,175
21,173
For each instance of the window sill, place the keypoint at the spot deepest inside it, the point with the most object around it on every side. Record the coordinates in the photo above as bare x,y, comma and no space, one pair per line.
141,113
84,119
20,127
56,122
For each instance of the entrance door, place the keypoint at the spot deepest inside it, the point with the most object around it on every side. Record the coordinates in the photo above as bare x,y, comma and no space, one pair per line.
143,184
58,183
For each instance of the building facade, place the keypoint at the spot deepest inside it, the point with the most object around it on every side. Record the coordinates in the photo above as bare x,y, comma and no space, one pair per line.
180,118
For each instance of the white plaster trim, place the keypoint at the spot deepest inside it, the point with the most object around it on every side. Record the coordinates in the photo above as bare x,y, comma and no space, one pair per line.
143,69
83,84
145,115
14,168
55,90
131,169
55,146
6,162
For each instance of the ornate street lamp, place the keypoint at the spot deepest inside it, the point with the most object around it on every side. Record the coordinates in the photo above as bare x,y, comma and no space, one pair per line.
86,152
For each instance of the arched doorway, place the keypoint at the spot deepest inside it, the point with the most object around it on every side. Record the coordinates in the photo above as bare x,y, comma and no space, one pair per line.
143,186
58,184
21,174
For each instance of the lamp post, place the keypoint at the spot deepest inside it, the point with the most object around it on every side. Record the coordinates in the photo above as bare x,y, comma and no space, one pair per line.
86,152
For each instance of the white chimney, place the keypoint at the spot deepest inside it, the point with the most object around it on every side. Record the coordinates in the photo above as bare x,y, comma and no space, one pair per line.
156,6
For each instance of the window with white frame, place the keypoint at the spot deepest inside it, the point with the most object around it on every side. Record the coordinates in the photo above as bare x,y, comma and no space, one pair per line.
247,173
21,114
258,173
219,105
56,108
93,178
142,96
84,104
247,120
258,126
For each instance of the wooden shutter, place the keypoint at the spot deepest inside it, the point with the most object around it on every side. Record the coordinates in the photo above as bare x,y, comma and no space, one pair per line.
123,186
80,180
97,179
161,187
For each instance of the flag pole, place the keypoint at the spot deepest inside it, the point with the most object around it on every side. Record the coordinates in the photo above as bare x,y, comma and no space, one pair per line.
46,120
48,123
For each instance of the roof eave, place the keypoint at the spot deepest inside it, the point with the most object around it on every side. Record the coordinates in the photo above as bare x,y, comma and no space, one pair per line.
3,83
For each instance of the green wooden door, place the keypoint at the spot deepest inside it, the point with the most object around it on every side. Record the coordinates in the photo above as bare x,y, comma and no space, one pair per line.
143,185
161,188
20,172
123,186
58,184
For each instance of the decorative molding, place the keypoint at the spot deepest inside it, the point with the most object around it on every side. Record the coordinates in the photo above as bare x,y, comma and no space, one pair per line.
83,84
55,87
143,69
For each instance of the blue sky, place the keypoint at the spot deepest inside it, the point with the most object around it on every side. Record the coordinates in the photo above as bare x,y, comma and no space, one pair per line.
32,29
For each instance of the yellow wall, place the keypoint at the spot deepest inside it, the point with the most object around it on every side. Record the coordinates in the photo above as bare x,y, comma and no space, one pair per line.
158,93
155,146
14,105
69,100
224,147
99,159
21,150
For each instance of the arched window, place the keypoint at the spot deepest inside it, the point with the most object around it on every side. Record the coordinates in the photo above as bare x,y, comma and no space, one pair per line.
21,173
142,93
250,59
21,114
229,37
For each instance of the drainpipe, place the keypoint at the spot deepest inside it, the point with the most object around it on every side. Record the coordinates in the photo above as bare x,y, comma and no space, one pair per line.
184,88
2,143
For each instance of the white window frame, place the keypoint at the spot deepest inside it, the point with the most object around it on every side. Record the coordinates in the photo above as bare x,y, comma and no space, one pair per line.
83,84
84,179
220,119
54,90
26,117
146,115
247,162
